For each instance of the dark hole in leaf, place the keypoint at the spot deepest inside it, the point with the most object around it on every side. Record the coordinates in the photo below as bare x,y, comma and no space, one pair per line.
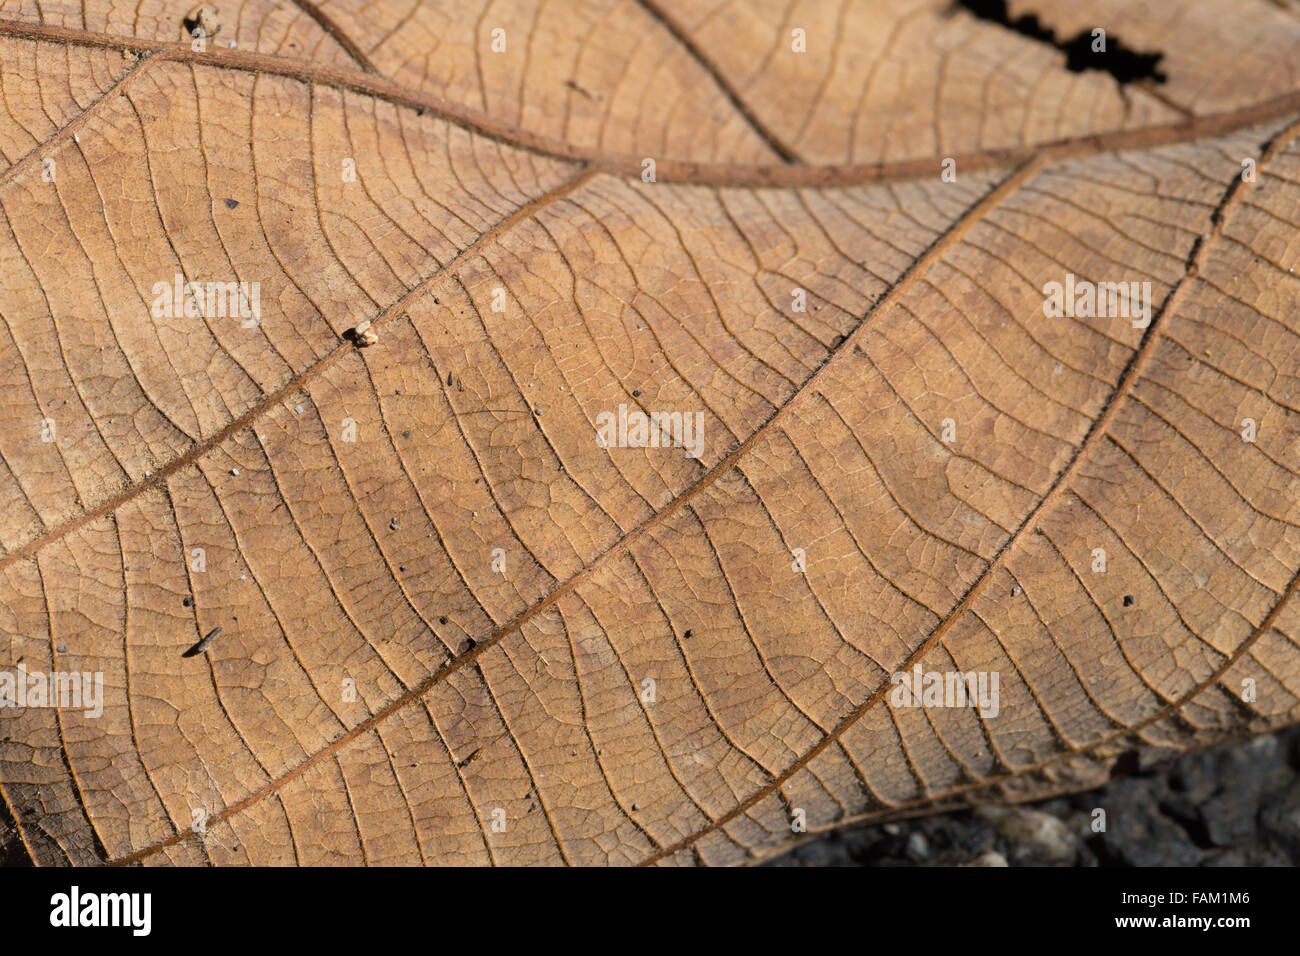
1124,64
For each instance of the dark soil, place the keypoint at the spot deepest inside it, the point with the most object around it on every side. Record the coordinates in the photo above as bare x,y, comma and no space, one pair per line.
1237,804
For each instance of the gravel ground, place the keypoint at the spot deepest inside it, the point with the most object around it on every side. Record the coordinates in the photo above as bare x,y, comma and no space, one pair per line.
1237,804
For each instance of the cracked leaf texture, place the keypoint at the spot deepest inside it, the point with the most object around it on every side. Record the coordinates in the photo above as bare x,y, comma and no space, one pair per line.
441,598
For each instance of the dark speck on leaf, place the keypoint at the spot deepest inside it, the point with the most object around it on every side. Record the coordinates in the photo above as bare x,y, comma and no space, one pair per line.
392,525
406,434
204,19
232,203
688,633
202,645
636,393
188,601
1128,600
442,620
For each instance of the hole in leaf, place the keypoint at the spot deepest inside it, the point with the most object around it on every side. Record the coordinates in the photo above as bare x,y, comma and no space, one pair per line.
1124,64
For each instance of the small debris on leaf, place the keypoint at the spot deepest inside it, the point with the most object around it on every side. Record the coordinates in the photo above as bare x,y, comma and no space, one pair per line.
362,336
202,645
202,18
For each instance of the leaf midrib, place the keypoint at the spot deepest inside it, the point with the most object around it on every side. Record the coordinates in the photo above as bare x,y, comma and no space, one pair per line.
785,175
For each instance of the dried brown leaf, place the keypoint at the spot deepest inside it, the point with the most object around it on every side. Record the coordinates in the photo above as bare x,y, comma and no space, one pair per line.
456,623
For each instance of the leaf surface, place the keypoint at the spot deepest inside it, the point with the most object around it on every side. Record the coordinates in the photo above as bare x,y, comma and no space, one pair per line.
457,628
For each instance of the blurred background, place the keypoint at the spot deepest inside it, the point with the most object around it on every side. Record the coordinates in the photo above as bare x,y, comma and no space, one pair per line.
1236,804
